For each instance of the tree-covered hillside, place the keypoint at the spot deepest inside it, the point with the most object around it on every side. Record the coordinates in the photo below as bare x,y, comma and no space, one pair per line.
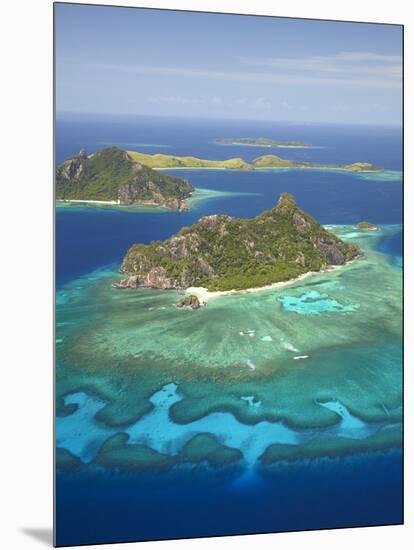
112,175
222,253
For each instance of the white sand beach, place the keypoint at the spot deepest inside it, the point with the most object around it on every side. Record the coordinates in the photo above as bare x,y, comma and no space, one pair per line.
88,201
204,295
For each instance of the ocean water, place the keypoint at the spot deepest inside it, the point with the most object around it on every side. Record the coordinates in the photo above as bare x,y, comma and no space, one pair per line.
334,144
113,507
305,381
88,238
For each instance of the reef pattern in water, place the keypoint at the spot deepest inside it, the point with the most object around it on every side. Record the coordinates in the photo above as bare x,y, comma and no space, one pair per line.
242,370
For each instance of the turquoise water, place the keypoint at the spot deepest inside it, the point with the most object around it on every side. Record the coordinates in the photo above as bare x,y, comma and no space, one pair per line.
314,303
80,434
296,390
247,344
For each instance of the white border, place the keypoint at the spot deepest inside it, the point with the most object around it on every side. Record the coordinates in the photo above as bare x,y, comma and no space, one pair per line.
26,288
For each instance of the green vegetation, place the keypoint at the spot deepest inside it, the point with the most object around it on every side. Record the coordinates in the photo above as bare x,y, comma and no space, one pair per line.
112,175
260,142
367,225
273,161
128,177
361,167
224,253
265,161
171,161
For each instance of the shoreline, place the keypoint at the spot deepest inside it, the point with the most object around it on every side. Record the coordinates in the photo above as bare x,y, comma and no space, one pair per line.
148,204
268,168
89,201
204,295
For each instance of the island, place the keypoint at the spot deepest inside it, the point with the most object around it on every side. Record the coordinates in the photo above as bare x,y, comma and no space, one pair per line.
367,226
262,142
112,176
222,253
160,162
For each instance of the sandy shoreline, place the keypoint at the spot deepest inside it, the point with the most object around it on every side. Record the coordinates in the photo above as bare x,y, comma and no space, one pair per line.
87,201
149,204
204,295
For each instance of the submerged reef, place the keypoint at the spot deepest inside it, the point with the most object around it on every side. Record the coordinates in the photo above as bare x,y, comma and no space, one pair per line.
66,460
157,442
281,355
116,453
332,447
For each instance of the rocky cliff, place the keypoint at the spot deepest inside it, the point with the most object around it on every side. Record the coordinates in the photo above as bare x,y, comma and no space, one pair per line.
222,253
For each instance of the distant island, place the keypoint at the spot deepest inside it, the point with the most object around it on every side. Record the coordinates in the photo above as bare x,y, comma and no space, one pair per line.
261,142
113,176
367,226
160,161
222,253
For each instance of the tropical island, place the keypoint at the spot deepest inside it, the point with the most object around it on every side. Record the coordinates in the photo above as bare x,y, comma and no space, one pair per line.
222,253
160,162
113,176
262,142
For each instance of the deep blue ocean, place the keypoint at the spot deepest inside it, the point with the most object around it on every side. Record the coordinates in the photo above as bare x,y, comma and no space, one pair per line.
89,238
95,507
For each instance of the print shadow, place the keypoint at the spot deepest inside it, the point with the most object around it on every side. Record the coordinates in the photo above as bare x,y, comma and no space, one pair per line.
44,535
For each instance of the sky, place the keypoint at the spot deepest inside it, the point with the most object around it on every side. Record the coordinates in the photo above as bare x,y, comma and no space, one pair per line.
137,61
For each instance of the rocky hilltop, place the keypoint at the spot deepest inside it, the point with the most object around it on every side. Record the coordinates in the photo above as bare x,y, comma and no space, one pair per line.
223,253
112,175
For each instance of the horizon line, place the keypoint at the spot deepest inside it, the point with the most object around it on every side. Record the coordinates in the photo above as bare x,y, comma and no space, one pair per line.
58,113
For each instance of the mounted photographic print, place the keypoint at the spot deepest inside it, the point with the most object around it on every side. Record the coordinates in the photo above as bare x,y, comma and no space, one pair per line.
229,269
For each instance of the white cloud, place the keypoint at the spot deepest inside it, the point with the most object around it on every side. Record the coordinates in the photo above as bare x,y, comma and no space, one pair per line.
174,100
345,69
252,104
216,100
182,100
341,107
353,65
261,103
